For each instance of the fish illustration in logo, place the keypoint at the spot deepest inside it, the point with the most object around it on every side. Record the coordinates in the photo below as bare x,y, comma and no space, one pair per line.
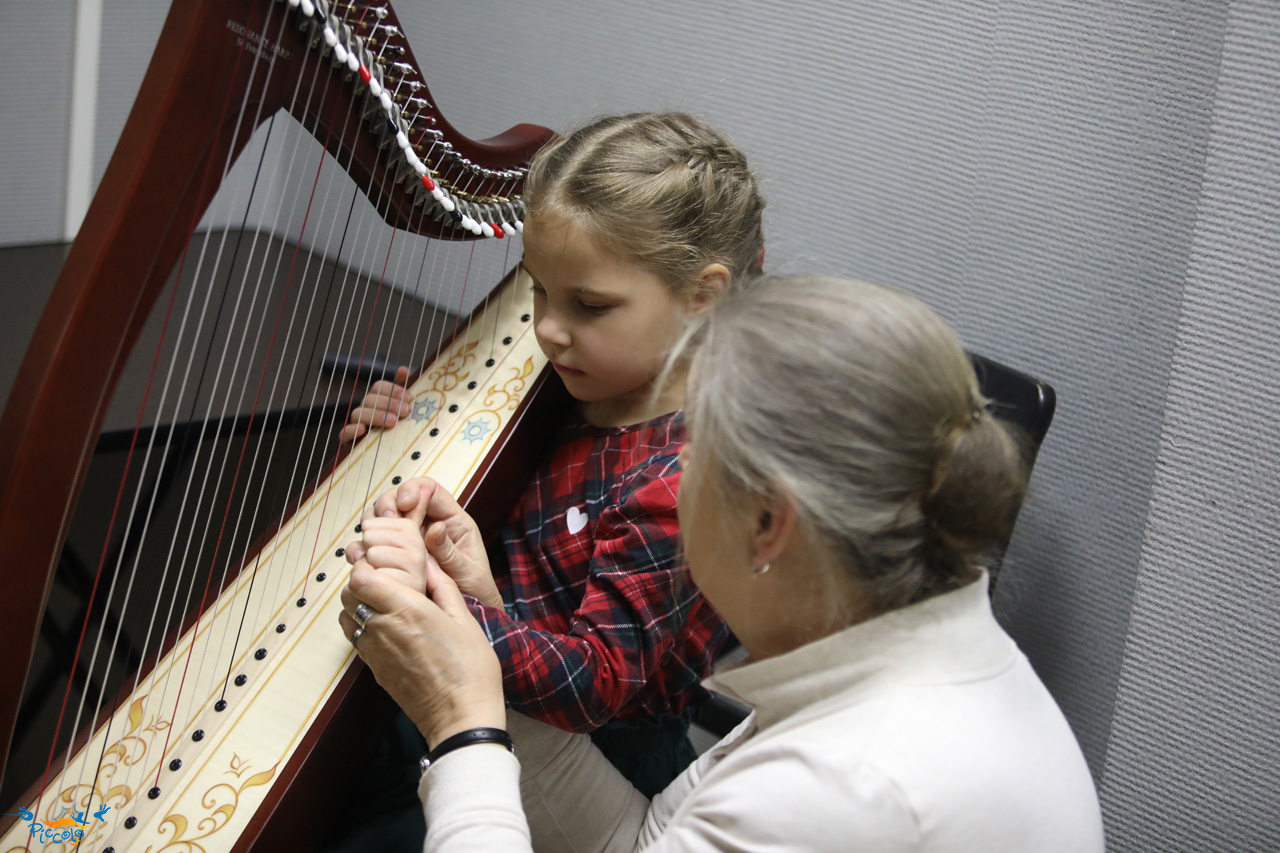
67,820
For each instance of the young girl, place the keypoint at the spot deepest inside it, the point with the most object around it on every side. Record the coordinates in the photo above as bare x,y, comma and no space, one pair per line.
634,223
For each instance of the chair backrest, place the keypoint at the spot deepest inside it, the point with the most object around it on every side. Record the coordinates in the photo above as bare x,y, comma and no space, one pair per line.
1026,403
1017,398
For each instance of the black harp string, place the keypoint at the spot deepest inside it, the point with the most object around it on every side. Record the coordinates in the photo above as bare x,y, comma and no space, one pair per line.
235,549
200,499
141,482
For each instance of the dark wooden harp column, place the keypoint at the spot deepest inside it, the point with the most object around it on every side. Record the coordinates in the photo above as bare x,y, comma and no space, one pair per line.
163,174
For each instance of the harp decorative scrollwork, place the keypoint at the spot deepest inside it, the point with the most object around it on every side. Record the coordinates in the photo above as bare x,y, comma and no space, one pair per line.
180,760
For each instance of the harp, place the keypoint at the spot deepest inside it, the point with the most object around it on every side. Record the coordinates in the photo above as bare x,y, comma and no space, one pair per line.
232,732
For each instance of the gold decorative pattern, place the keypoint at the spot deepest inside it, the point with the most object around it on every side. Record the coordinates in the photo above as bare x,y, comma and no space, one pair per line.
508,394
449,375
130,749
222,799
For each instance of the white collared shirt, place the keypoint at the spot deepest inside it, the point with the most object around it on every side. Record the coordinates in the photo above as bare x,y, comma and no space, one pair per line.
924,729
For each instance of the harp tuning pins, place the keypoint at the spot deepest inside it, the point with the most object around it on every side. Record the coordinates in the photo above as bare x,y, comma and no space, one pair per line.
401,139
308,8
497,231
353,61
446,203
364,73
380,11
438,195
487,229
507,227
429,184
340,54
385,98
330,37
375,88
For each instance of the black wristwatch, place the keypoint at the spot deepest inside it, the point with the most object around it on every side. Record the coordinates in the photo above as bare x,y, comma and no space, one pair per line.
468,738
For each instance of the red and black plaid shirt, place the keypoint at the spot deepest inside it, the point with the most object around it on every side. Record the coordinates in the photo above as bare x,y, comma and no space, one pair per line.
601,620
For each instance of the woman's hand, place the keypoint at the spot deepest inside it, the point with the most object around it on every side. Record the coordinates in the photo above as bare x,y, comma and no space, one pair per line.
385,404
427,651
452,538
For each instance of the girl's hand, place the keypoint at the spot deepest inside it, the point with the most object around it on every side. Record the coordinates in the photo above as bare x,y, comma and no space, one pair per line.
452,538
393,544
427,652
385,403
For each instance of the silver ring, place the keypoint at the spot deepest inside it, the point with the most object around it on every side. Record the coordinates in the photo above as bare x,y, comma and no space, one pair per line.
363,614
356,635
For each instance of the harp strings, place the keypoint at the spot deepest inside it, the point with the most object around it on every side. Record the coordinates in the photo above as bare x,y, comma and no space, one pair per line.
147,517
132,514
356,252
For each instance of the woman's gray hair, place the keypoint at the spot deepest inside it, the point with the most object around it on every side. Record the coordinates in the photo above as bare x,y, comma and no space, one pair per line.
860,404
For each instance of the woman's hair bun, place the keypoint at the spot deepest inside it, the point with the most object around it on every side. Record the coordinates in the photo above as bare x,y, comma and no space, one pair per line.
978,482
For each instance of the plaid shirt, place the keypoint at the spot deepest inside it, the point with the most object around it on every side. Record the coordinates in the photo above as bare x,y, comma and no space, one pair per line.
600,619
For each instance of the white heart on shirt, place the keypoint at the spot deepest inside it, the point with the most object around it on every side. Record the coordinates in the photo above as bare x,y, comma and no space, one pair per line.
576,519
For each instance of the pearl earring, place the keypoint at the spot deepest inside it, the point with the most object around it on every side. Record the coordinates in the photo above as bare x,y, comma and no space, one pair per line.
759,570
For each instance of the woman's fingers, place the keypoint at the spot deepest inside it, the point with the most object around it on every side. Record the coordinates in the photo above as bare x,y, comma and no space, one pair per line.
382,593
442,549
441,505
444,593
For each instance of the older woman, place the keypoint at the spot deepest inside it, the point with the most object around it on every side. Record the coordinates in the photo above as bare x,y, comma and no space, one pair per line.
842,482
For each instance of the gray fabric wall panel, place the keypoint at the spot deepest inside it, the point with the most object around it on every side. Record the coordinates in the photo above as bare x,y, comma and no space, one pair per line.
1193,757
1095,143
130,30
36,40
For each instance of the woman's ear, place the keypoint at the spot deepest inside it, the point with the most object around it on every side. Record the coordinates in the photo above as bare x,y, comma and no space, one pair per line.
775,525
711,282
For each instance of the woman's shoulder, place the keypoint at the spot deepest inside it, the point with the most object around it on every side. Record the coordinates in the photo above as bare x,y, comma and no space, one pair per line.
988,761
896,774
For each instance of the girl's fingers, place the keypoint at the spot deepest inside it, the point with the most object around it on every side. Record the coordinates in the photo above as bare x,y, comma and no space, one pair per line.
388,557
402,532
385,506
413,500
354,552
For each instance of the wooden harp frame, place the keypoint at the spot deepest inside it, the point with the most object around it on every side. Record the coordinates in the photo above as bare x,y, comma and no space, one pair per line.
161,178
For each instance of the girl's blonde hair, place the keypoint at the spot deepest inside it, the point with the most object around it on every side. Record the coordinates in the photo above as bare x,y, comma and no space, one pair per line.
663,188
860,404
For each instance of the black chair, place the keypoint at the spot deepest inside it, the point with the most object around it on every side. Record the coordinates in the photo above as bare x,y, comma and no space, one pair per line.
1016,398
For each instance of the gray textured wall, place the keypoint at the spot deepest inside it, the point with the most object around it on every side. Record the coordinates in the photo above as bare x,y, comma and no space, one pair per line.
1088,191
36,40
1193,753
